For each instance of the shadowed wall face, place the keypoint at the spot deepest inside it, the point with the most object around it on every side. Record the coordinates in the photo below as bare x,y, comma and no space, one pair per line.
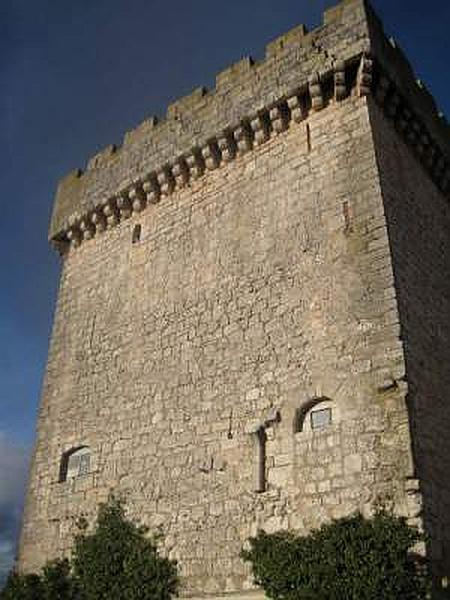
258,290
418,219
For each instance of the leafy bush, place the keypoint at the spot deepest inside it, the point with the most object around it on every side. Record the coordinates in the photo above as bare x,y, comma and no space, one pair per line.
57,581
54,583
22,587
116,560
348,559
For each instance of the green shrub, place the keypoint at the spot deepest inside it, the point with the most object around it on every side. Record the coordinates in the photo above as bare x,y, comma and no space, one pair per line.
22,587
57,581
116,560
348,559
53,583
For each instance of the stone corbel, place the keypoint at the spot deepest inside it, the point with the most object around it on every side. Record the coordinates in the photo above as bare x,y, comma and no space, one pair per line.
243,139
151,190
316,92
137,198
195,165
111,213
180,173
340,84
279,119
99,221
297,108
124,205
260,129
87,229
227,147
211,155
364,76
74,236
166,181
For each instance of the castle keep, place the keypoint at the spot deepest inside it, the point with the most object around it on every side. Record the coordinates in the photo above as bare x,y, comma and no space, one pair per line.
252,326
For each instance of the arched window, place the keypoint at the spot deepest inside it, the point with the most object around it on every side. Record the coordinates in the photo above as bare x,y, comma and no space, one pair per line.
75,463
316,415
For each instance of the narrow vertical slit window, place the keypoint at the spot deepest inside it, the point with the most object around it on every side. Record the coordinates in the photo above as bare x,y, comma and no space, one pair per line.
260,463
137,230
346,210
308,137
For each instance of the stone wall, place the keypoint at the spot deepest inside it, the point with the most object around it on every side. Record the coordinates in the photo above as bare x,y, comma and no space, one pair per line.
252,293
274,247
418,217
242,90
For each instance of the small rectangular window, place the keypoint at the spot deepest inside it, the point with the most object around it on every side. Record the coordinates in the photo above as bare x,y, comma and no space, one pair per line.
83,468
74,462
137,230
320,418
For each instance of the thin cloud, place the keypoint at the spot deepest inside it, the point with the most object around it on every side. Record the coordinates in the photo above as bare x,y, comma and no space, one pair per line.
13,475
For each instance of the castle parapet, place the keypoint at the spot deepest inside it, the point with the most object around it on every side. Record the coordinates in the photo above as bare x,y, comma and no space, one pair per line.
252,101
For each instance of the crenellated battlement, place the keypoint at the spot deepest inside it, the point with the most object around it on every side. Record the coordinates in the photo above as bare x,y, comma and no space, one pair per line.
252,101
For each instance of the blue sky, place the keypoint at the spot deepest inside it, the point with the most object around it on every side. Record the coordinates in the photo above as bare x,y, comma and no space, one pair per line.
74,77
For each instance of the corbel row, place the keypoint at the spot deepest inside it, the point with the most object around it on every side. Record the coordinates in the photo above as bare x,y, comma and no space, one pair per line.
413,131
343,80
186,169
222,149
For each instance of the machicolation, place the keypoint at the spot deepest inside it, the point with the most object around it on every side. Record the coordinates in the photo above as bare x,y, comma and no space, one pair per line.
251,102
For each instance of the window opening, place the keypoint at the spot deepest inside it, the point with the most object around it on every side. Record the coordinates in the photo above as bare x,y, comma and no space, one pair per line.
75,463
308,137
136,234
260,463
316,414
320,418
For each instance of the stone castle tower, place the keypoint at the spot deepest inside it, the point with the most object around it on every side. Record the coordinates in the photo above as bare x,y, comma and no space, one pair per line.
252,328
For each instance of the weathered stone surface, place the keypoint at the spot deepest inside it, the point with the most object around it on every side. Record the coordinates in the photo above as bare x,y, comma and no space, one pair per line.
418,220
161,352
280,253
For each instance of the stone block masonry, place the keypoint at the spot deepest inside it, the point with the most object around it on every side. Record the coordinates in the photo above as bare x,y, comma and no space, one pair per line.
237,342
420,248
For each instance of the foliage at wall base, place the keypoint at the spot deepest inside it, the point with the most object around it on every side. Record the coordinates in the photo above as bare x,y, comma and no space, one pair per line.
116,560
348,559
